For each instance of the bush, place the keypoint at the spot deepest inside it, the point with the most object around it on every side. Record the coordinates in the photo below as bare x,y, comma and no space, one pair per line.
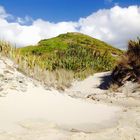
128,68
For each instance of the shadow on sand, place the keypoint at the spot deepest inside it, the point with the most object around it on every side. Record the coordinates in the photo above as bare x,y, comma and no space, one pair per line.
105,82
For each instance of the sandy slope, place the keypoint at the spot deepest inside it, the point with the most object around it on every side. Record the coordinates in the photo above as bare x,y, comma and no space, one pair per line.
52,106
29,112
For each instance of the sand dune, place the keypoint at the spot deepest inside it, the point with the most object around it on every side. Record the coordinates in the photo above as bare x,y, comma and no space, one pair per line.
66,112
28,111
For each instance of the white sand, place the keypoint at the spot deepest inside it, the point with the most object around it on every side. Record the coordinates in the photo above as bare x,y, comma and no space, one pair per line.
66,112
88,86
30,112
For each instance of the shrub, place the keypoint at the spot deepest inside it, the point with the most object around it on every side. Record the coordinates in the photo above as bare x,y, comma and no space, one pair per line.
128,68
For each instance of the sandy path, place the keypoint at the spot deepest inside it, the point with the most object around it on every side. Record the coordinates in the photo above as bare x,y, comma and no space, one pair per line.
29,112
88,86
66,112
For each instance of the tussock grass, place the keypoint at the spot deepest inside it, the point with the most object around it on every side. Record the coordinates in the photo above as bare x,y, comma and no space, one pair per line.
6,49
35,68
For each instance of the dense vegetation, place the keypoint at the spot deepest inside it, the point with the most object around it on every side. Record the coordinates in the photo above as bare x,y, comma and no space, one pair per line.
74,51
59,60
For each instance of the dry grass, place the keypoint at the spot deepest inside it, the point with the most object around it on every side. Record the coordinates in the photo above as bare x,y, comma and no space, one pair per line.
33,67
6,49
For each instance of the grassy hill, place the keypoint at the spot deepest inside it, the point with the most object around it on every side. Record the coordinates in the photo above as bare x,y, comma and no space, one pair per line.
63,41
59,60
74,51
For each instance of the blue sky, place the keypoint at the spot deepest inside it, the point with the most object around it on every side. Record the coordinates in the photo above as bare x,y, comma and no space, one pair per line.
25,22
60,10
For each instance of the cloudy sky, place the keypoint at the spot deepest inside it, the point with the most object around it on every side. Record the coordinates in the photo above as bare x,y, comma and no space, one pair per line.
28,21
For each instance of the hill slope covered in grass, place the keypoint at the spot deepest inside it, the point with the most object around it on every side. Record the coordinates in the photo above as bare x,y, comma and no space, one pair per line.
74,51
59,60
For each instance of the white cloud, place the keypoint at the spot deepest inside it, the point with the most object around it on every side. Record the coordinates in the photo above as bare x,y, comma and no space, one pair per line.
115,26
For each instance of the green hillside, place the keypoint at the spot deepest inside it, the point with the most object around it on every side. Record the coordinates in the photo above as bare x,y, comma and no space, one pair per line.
63,41
75,52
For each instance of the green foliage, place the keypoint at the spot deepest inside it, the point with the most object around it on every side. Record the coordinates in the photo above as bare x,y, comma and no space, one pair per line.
75,52
57,61
78,59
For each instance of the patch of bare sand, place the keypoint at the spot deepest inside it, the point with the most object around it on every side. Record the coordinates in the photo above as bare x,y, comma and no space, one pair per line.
38,114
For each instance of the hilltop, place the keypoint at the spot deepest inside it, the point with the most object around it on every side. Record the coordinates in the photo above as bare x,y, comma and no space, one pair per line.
75,52
63,41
